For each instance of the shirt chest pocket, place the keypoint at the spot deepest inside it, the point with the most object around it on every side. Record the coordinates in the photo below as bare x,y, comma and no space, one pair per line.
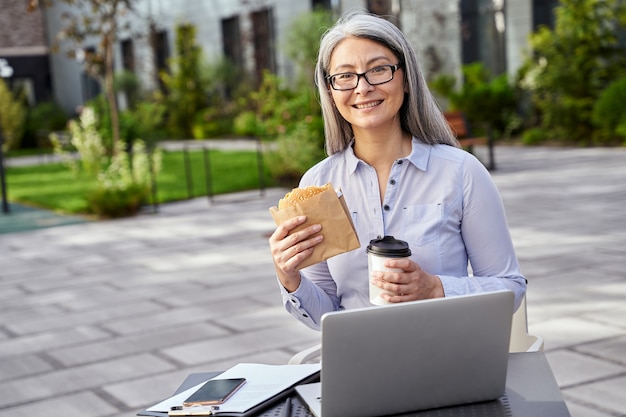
422,223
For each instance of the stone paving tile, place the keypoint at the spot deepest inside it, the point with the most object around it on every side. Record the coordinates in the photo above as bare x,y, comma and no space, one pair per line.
613,349
103,314
26,365
175,317
236,345
573,369
578,410
571,331
133,344
50,340
607,395
80,404
67,381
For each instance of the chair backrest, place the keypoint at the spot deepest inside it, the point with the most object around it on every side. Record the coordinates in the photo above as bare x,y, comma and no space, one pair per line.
521,341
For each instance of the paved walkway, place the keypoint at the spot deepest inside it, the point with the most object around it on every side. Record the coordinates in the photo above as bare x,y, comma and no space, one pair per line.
101,319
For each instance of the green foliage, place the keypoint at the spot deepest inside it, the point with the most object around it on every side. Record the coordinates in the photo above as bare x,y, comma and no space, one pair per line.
274,109
185,87
304,37
12,117
56,187
51,186
41,120
533,136
292,118
123,180
225,83
609,113
144,120
231,171
483,98
128,83
297,151
572,64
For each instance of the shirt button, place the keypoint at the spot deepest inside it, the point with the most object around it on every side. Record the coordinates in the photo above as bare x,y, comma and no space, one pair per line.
392,182
400,162
386,207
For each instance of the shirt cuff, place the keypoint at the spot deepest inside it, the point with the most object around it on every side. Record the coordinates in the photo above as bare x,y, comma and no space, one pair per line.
291,300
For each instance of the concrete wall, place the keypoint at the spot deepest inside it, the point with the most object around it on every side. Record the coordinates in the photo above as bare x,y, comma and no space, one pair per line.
519,24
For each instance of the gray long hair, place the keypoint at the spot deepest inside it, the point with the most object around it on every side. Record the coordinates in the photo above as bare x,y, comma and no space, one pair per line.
420,115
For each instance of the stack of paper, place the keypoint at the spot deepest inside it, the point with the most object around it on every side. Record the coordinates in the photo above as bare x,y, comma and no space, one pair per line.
263,382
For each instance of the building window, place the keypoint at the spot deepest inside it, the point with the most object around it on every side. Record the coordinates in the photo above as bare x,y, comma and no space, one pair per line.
321,4
482,34
388,9
263,40
231,38
128,56
91,87
543,13
161,53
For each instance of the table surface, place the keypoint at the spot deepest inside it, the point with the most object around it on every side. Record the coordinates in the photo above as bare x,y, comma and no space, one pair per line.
531,391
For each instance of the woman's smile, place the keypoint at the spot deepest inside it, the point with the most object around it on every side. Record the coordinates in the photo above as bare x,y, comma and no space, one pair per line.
367,105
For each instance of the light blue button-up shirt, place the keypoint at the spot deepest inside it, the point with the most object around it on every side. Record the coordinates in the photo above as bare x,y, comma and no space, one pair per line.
441,200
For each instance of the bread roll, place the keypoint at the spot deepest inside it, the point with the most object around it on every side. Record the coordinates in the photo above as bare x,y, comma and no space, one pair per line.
300,194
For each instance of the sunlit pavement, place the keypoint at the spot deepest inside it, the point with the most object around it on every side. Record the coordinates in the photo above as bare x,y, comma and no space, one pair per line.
106,318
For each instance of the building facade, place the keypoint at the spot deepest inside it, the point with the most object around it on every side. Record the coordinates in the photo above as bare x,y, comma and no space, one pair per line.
24,52
250,33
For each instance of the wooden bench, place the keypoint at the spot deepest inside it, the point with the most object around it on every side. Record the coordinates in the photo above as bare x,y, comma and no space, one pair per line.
460,127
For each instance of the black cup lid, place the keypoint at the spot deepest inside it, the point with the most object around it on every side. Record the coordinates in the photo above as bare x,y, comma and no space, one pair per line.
390,247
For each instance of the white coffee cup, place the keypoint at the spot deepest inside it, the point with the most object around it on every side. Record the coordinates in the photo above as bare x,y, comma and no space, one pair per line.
378,251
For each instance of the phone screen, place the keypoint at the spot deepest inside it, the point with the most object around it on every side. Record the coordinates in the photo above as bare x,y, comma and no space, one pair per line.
215,391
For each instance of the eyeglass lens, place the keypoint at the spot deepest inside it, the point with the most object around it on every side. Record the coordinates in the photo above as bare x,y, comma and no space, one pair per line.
374,76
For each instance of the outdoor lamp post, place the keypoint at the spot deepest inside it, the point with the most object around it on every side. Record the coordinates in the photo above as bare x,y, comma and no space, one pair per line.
6,71
3,185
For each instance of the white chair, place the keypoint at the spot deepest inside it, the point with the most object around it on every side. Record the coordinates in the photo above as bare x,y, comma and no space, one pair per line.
521,341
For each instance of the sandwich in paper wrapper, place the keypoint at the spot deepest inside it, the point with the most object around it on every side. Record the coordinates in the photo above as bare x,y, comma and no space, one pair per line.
321,205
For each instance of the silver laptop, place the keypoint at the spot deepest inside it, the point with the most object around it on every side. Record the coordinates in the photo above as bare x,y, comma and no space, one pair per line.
412,356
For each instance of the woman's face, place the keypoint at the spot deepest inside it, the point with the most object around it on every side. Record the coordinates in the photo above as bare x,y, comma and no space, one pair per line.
367,106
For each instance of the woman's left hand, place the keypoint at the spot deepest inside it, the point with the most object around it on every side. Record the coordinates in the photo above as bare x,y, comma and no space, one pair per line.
410,285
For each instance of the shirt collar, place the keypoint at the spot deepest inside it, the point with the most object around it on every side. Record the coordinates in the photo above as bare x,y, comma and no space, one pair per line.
419,156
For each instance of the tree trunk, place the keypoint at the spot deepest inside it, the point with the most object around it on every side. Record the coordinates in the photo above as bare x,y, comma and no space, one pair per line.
109,89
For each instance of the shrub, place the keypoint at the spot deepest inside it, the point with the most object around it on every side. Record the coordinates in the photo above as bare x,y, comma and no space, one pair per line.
482,97
533,136
122,181
214,121
186,88
297,151
609,113
144,121
572,64
42,120
12,117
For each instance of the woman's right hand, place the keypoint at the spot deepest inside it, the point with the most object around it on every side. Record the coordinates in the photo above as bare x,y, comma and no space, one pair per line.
290,249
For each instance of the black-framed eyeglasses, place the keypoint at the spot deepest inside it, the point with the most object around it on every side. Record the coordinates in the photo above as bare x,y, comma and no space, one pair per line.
380,74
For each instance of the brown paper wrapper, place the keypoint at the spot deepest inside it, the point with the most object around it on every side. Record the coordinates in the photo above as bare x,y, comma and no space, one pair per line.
329,210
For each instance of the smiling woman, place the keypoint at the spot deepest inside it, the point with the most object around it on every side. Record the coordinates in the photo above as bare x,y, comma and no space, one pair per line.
402,174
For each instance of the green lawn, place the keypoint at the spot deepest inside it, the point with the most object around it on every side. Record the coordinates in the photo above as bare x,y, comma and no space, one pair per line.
54,186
